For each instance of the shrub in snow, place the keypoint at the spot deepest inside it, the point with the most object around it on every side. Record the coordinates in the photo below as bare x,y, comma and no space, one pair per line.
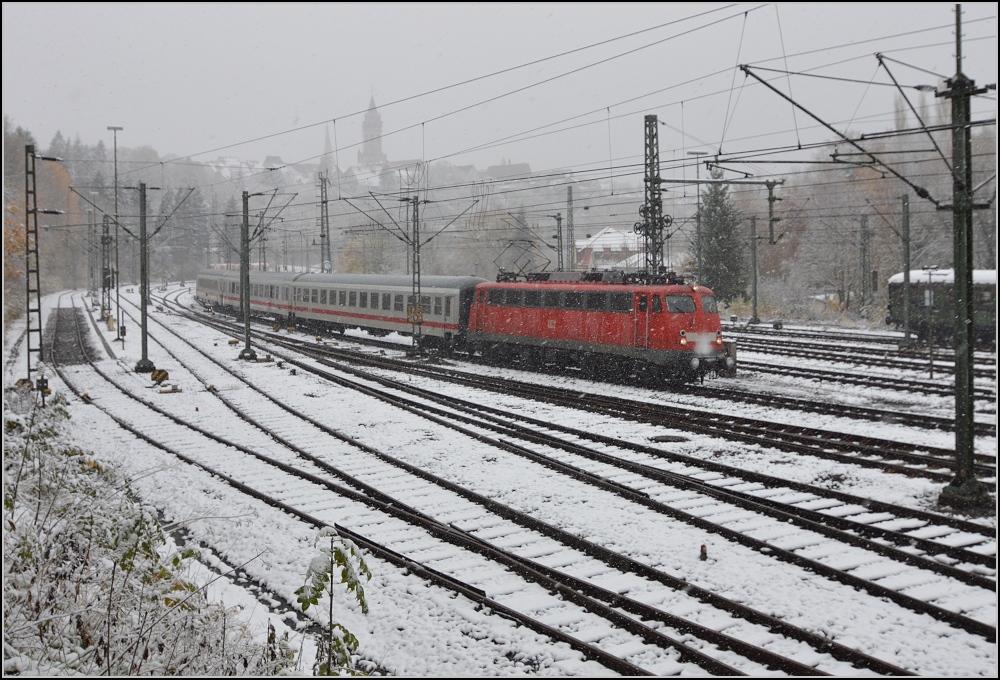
88,585
339,562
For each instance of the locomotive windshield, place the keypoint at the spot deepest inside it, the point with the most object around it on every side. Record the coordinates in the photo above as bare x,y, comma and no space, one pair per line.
680,304
708,304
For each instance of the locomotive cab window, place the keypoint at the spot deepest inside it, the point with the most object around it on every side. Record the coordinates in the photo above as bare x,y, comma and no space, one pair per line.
657,305
643,304
496,296
708,304
680,304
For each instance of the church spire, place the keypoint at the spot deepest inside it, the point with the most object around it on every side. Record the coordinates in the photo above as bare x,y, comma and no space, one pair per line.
371,136
327,161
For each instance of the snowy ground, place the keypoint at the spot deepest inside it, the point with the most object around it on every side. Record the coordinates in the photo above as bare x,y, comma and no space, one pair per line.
418,629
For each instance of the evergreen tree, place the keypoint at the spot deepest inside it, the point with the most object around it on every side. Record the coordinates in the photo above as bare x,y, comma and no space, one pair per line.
191,230
724,266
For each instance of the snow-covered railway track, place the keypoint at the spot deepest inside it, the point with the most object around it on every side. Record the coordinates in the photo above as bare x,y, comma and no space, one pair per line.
893,456
917,420
417,543
977,565
873,516
865,380
523,538
639,467
878,569
651,646
987,632
861,355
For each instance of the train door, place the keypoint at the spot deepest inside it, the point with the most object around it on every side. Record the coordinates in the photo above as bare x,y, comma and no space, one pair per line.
641,325
480,308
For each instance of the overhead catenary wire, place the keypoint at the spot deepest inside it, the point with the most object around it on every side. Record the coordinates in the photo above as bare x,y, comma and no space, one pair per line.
611,168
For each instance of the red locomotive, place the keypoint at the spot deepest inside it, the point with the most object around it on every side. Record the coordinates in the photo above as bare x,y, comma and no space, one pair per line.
606,323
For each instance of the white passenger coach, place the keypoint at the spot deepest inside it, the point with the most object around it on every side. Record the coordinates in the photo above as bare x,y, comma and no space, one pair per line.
336,302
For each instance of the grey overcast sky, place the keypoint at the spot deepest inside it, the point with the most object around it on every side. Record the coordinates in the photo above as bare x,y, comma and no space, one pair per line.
556,85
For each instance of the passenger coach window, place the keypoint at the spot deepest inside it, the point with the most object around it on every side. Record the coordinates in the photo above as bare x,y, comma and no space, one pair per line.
342,298
437,306
386,300
680,304
353,298
364,300
573,301
315,296
708,304
322,296
621,302
397,305
447,306
425,303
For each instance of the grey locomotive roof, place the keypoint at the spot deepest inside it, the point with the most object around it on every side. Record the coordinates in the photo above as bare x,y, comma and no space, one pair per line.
400,280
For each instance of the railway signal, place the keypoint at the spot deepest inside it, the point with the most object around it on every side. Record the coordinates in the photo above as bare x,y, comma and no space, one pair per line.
32,266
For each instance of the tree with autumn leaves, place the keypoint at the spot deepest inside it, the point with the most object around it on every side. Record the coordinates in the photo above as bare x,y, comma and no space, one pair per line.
62,239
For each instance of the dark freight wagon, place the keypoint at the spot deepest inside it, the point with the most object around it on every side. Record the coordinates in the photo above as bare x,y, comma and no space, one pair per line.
932,304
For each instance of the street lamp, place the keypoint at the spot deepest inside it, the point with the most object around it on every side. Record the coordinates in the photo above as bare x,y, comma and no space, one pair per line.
118,299
697,238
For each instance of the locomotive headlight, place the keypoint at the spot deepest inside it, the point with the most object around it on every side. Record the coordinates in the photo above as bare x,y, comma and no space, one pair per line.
684,340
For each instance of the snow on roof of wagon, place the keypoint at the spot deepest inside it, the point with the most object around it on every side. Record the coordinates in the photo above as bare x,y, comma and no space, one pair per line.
982,276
